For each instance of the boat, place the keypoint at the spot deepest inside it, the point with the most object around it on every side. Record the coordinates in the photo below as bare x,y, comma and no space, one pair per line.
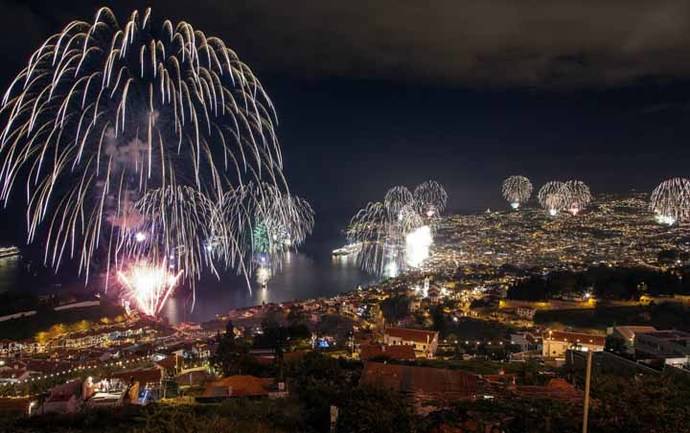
7,252
347,250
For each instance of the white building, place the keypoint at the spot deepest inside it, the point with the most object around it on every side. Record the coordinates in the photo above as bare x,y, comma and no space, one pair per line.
425,342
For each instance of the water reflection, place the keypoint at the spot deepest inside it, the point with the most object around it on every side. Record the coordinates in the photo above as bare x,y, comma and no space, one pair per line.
300,277
10,268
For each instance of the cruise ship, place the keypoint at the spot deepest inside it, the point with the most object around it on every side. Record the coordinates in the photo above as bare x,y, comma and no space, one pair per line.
7,252
347,250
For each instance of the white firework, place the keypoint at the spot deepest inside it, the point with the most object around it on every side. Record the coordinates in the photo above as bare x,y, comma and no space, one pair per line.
578,196
552,197
395,235
517,190
106,118
261,220
430,198
670,201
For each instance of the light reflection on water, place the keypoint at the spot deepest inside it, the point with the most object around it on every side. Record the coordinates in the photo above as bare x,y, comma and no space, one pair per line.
300,277
10,268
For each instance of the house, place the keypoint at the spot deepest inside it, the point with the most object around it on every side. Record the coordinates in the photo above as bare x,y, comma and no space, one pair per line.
239,386
627,334
422,385
425,343
556,389
16,406
556,343
9,376
65,398
402,352
109,393
192,378
9,348
670,345
87,339
526,341
526,313
150,377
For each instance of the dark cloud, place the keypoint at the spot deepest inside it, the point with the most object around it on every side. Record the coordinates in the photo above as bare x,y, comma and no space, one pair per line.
499,42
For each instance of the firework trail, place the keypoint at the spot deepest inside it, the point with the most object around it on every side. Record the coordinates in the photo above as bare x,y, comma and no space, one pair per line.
517,190
123,135
261,223
670,201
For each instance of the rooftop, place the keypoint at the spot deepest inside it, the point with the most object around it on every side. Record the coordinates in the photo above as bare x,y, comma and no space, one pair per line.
409,334
444,383
575,337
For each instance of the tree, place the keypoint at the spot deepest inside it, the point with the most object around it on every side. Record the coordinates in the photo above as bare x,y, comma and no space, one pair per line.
42,337
615,343
369,409
395,308
320,381
232,357
439,319
57,330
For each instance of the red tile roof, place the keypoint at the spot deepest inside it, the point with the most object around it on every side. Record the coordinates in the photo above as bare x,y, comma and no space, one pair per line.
168,363
402,352
575,337
242,386
410,334
152,375
556,389
443,383
12,404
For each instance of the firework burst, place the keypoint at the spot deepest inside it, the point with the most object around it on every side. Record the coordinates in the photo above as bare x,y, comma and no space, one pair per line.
124,136
577,196
517,190
395,234
553,197
670,201
147,286
430,198
261,223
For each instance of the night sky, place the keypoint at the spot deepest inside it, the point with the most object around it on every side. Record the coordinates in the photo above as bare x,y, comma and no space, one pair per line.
376,93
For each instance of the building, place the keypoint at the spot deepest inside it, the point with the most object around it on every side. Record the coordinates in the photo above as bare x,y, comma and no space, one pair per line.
526,313
526,341
670,345
401,353
627,334
422,385
65,398
10,376
425,343
555,389
242,386
556,343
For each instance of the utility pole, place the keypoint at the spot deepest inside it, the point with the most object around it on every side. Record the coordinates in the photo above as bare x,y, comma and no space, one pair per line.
334,418
588,378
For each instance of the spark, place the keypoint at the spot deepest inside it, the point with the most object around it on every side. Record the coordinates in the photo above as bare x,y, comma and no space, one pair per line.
148,286
417,245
